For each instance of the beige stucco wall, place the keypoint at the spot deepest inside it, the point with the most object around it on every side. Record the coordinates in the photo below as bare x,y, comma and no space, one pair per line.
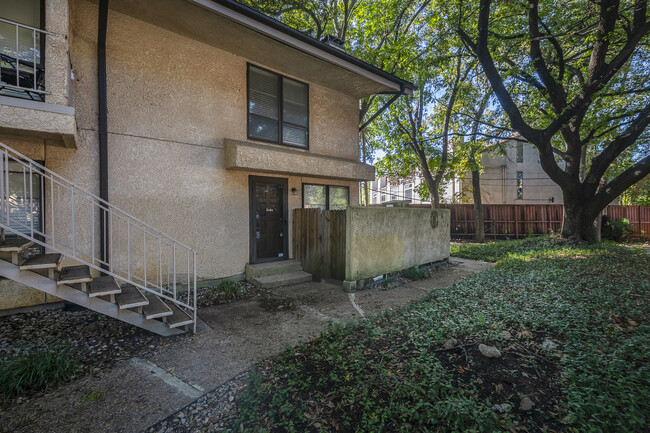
172,101
381,240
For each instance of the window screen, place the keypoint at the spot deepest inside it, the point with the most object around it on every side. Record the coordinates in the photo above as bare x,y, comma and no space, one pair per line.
315,196
520,184
278,108
339,197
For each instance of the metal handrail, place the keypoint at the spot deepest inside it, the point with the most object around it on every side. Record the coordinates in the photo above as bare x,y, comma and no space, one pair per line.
36,86
73,226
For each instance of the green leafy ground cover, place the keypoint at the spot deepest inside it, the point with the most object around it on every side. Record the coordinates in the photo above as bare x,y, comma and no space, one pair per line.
392,372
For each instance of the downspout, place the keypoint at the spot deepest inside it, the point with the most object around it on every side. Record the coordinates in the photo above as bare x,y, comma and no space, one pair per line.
402,89
103,127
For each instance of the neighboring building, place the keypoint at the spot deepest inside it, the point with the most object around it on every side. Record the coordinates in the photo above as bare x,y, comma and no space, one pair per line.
387,190
220,120
515,177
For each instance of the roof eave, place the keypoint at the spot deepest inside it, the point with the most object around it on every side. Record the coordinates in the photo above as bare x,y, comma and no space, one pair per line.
276,30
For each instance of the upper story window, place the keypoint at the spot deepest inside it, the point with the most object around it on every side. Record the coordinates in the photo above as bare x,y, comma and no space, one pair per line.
520,185
21,56
278,108
520,152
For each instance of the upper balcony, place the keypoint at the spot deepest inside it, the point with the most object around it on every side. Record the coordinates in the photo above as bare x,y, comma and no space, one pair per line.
35,73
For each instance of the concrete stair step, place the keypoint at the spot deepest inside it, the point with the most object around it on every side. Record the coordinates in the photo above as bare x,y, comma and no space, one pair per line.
75,275
178,317
155,308
43,261
279,280
130,297
14,245
102,286
272,268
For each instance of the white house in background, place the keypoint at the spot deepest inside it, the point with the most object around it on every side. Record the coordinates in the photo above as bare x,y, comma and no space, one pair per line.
515,177
386,190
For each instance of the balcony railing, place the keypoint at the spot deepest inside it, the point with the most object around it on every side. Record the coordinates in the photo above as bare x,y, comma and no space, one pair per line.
22,73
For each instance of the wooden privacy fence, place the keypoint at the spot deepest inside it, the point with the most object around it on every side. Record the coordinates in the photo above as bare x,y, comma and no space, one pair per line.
516,220
319,242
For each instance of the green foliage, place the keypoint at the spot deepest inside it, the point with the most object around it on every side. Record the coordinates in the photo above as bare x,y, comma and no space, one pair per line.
619,230
415,273
230,289
42,368
92,396
382,374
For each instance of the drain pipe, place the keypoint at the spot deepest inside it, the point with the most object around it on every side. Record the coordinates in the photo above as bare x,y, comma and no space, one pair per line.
402,90
103,126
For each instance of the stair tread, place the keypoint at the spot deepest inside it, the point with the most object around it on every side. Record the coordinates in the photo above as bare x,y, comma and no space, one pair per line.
75,274
179,317
130,297
43,261
13,245
285,276
276,264
105,285
156,308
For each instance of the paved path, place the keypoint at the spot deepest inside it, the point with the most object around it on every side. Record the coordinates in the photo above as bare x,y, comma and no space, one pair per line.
138,393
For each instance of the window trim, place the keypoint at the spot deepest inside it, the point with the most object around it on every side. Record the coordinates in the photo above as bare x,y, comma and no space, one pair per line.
327,193
280,109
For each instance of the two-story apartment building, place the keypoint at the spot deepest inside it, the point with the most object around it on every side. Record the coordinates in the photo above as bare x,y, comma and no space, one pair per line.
204,119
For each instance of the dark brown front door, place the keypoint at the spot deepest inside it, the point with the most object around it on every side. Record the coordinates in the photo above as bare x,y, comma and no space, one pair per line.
268,219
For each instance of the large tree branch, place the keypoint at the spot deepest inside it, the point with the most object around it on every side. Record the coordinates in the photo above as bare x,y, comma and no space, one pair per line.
601,162
556,93
619,184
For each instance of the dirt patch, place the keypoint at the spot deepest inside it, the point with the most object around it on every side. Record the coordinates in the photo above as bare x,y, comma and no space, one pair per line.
524,374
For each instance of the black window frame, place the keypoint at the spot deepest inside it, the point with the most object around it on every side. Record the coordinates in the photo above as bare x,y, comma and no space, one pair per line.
327,192
280,119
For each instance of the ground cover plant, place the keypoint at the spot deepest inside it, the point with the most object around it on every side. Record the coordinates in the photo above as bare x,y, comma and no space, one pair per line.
570,321
38,370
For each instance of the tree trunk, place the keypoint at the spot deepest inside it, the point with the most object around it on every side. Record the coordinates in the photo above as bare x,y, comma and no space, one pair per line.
366,193
579,220
479,226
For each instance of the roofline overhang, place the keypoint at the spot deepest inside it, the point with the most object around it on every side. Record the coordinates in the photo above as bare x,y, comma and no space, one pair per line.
289,36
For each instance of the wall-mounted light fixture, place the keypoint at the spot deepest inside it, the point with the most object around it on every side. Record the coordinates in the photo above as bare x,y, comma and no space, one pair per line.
294,191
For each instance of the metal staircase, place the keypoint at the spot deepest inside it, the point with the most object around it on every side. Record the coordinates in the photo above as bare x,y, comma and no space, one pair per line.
49,227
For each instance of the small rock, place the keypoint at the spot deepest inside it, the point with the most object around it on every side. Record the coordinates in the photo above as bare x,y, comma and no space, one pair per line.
549,344
523,373
526,403
502,408
506,335
489,351
450,344
231,399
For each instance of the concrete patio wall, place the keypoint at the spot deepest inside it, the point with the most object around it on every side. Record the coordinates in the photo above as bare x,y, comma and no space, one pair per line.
383,240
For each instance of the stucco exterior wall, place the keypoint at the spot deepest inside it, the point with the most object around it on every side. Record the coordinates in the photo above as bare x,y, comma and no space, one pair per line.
172,101
381,240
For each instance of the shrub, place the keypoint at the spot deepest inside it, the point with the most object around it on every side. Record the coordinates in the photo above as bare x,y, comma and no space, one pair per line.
44,367
620,230
415,273
230,289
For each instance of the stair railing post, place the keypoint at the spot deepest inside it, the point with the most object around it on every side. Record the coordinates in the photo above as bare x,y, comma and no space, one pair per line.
194,291
31,195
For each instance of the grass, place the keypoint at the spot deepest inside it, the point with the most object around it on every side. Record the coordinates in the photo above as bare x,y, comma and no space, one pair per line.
42,368
231,290
391,372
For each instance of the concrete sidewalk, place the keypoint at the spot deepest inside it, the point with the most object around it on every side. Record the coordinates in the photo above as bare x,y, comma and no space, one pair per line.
138,393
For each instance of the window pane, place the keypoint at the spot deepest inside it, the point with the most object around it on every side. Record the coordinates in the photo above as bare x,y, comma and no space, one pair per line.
295,92
339,197
263,93
296,114
520,184
314,196
293,135
262,128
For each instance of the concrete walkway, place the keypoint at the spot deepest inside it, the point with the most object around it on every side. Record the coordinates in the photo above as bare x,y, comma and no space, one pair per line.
140,392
